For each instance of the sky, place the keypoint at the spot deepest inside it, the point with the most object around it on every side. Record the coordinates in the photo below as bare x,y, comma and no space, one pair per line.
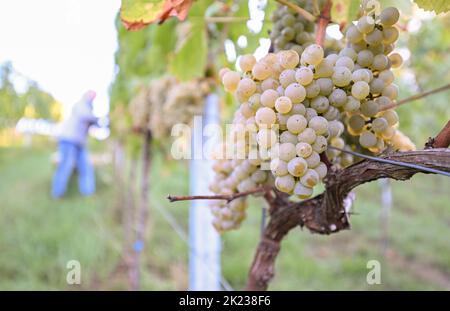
67,46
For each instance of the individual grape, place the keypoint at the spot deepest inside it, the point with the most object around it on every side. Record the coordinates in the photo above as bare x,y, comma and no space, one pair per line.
313,160
325,85
310,178
332,58
360,90
287,77
390,91
338,98
265,116
375,37
376,49
246,185
260,71
356,122
259,176
299,27
376,86
379,125
298,109
285,183
369,108
390,35
365,24
388,133
268,98
304,75
352,104
324,69
287,151
280,91
383,102
362,75
341,76
319,125
223,71
388,48
310,113
288,34
365,58
303,149
321,170
297,166
231,80
302,192
288,137
246,62
320,104
307,136
359,46
312,90
289,59
297,48
246,87
336,128
278,167
320,145
387,76
269,83
283,104
288,20
389,16
367,139
254,101
332,113
396,60
345,61
349,52
353,35
282,120
295,92
296,123
380,62
266,137
246,110
313,54
337,142
391,117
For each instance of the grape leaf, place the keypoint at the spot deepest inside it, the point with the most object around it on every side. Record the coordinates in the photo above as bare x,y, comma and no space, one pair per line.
136,14
439,6
189,60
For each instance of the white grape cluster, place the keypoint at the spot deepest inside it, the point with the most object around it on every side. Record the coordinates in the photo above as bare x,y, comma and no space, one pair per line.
285,111
291,31
364,80
166,102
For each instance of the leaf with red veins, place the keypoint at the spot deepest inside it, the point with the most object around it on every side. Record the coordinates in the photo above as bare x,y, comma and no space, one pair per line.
137,14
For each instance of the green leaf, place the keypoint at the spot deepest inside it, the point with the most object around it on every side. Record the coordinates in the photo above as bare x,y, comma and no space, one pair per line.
136,14
163,42
353,10
189,60
439,6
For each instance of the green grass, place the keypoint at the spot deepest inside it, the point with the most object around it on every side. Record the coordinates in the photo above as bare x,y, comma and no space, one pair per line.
39,236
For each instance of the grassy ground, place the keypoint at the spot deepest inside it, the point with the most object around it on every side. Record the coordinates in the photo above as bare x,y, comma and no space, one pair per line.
38,235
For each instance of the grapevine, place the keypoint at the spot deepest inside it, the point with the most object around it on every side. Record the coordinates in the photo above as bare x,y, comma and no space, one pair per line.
296,102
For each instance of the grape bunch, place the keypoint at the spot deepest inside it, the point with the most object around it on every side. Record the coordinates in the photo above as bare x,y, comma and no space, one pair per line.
166,102
285,116
363,73
291,30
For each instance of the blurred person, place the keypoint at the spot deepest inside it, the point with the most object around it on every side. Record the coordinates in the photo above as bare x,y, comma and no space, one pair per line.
72,149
